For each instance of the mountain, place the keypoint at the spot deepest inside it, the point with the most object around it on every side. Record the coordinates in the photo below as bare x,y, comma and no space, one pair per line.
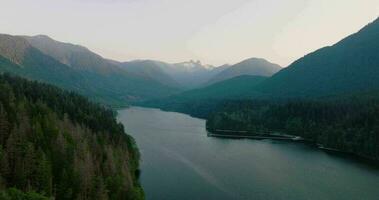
76,68
192,74
351,65
200,102
224,83
14,48
75,56
56,144
252,66
19,57
237,87
346,124
150,69
184,75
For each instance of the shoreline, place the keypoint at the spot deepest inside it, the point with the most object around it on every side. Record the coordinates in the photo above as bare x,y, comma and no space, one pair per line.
249,135
257,137
292,138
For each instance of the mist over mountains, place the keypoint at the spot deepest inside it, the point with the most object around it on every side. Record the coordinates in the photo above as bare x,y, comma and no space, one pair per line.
76,68
251,66
76,124
185,75
349,67
346,67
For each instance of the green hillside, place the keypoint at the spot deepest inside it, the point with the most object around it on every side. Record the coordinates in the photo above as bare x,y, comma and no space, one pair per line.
251,66
351,65
105,83
201,102
234,88
59,145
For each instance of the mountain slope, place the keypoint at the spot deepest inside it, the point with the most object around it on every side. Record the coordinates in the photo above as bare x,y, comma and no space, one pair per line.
106,83
75,56
184,75
62,146
200,102
151,70
237,87
13,48
351,65
252,66
18,56
346,124
191,74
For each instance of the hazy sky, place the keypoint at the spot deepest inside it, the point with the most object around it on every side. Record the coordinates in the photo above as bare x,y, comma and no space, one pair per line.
213,31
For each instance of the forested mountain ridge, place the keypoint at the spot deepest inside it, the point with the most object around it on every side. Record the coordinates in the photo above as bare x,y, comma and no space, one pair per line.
103,82
57,144
225,83
151,69
346,124
75,56
234,88
191,74
251,66
329,97
76,68
200,102
350,65
13,48
184,75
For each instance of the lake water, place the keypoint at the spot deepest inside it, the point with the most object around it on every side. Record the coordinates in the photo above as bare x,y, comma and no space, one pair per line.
180,162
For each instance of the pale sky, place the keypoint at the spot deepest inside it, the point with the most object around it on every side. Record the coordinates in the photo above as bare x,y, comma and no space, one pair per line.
213,31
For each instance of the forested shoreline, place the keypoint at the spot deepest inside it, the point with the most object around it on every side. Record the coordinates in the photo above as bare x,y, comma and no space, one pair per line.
56,144
346,124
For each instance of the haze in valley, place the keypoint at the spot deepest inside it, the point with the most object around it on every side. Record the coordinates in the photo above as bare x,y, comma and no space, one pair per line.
213,31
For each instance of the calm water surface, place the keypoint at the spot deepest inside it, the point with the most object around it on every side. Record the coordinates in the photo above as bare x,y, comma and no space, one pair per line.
180,162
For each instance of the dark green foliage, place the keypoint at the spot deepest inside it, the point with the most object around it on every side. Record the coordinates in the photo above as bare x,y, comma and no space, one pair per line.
251,67
347,124
235,88
150,70
201,102
351,65
15,194
110,85
60,145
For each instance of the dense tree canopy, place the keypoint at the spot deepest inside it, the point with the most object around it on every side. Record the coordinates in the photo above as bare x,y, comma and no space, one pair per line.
59,145
347,124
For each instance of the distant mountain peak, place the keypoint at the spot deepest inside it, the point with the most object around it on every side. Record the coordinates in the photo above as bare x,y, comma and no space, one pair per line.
194,65
13,48
74,68
195,62
252,66
349,66
255,60
191,63
42,39
41,36
75,56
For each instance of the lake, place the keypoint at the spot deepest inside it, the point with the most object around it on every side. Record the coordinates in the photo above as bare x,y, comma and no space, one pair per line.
180,162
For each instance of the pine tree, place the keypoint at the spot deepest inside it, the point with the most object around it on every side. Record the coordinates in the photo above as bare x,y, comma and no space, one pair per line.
43,174
4,125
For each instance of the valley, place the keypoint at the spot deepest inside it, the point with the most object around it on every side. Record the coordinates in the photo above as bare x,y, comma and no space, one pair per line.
77,125
179,161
